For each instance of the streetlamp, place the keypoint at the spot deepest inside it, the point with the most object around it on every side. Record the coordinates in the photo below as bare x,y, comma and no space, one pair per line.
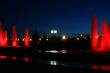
64,37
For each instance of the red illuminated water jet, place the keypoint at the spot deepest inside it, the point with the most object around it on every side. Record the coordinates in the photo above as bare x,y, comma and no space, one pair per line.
14,37
26,37
1,36
104,36
14,43
94,34
5,39
100,43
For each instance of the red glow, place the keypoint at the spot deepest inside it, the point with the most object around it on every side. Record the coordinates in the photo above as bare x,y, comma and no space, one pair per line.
94,34
14,58
3,57
1,35
26,38
108,36
14,43
5,39
94,66
14,36
26,59
104,35
100,43
100,67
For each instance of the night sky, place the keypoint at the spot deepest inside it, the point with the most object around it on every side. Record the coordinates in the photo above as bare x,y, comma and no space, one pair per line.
67,16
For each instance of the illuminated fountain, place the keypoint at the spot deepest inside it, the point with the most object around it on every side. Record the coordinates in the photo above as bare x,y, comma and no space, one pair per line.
1,35
103,39
26,42
5,39
14,37
100,43
94,34
14,41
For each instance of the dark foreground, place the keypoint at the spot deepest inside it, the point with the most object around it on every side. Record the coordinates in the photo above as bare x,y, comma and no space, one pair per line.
37,61
39,68
46,66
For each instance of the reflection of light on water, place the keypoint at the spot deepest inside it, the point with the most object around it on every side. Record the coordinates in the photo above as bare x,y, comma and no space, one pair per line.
63,51
100,67
39,51
53,62
53,51
46,51
75,65
56,51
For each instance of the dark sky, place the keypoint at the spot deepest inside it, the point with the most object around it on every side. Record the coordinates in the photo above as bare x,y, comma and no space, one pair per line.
66,16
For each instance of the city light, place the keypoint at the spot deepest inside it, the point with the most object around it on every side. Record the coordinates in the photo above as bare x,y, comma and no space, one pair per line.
47,39
54,32
40,39
64,37
81,35
30,39
77,38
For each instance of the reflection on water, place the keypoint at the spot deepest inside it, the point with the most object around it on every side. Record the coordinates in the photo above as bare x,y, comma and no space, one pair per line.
56,51
53,63
60,63
39,51
52,51
100,67
3,57
75,65
63,51
14,58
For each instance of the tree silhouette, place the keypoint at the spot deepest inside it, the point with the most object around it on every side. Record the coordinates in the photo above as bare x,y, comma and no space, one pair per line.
35,38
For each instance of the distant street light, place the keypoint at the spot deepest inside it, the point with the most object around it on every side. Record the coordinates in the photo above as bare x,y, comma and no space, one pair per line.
64,37
40,39
77,38
30,39
47,39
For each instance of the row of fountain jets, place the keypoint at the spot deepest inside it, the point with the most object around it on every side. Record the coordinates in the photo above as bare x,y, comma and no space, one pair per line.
101,42
4,38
